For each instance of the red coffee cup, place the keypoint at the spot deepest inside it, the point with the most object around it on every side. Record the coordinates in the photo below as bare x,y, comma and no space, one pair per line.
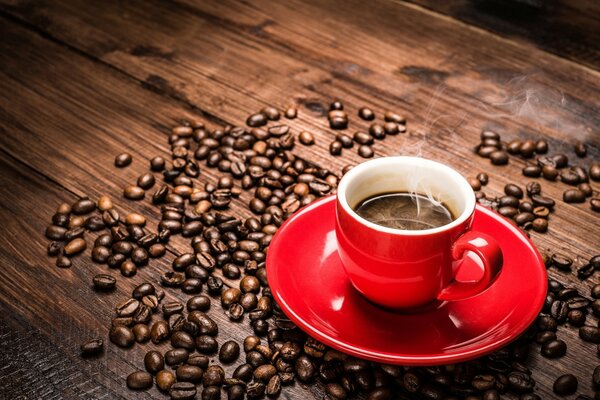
406,269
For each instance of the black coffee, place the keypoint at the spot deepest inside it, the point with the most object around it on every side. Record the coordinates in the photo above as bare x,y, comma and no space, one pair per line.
407,211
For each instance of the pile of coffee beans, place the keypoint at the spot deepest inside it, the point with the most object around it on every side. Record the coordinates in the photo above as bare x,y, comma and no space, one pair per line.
226,265
552,168
338,120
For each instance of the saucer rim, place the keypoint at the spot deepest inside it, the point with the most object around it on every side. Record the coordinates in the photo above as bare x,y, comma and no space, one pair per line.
404,359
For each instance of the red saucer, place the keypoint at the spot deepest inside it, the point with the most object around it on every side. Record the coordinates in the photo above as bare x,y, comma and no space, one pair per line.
309,283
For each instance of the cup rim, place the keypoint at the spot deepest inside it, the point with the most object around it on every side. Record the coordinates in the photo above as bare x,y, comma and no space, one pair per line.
382,161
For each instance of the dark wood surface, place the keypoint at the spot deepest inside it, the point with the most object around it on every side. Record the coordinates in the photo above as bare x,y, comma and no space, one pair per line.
83,81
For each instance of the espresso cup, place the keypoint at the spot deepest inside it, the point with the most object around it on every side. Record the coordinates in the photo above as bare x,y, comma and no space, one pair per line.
407,269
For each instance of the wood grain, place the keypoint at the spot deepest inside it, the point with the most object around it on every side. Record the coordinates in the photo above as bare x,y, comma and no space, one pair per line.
565,28
81,82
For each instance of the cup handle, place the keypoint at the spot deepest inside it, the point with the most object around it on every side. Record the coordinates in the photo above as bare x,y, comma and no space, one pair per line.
488,250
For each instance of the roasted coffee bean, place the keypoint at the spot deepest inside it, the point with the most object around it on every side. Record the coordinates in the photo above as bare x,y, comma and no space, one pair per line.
565,385
542,201
182,391
175,357
206,344
191,286
499,157
580,149
205,323
549,172
255,390
229,352
127,308
92,347
133,192
475,184
165,380
157,250
590,334
508,212
258,119
157,164
513,190
336,391
141,333
264,373
520,382
128,268
235,312
189,373
213,376
523,218
539,225
198,303
561,261
154,362
541,212
305,368
100,254
122,336
546,323
559,310
533,171
144,289
139,380
273,388
184,340
576,317
215,285
83,206
74,247
570,177
573,196
545,336
554,349
363,138
159,331
595,204
229,296
586,189
365,151
335,148
104,282
54,248
594,172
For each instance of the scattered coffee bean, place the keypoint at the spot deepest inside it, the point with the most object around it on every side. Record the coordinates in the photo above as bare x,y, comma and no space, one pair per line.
565,385
366,113
104,282
573,196
554,349
92,347
123,160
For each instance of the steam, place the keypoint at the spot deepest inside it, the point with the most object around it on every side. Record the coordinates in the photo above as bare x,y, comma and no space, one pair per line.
523,102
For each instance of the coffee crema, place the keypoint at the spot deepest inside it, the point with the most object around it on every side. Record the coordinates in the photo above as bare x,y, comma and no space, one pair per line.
404,210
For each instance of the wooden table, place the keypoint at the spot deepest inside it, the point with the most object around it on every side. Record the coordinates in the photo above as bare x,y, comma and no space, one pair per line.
83,81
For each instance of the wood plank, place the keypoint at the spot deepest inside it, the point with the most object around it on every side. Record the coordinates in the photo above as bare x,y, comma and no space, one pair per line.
353,92
568,29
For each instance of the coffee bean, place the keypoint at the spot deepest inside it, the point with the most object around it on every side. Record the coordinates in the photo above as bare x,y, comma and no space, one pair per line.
499,157
590,334
565,385
366,113
365,151
336,391
540,225
306,138
141,333
554,349
561,261
159,331
230,296
532,171
255,120
182,391
189,373
273,388
176,357
75,246
291,112
305,368
213,376
92,347
363,138
573,196
527,149
338,119
264,373
595,204
580,149
520,382
549,172
475,184
134,192
165,380
206,344
594,172
229,352
181,339
122,336
154,362
104,282
255,390
128,268
139,380
122,160
542,201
